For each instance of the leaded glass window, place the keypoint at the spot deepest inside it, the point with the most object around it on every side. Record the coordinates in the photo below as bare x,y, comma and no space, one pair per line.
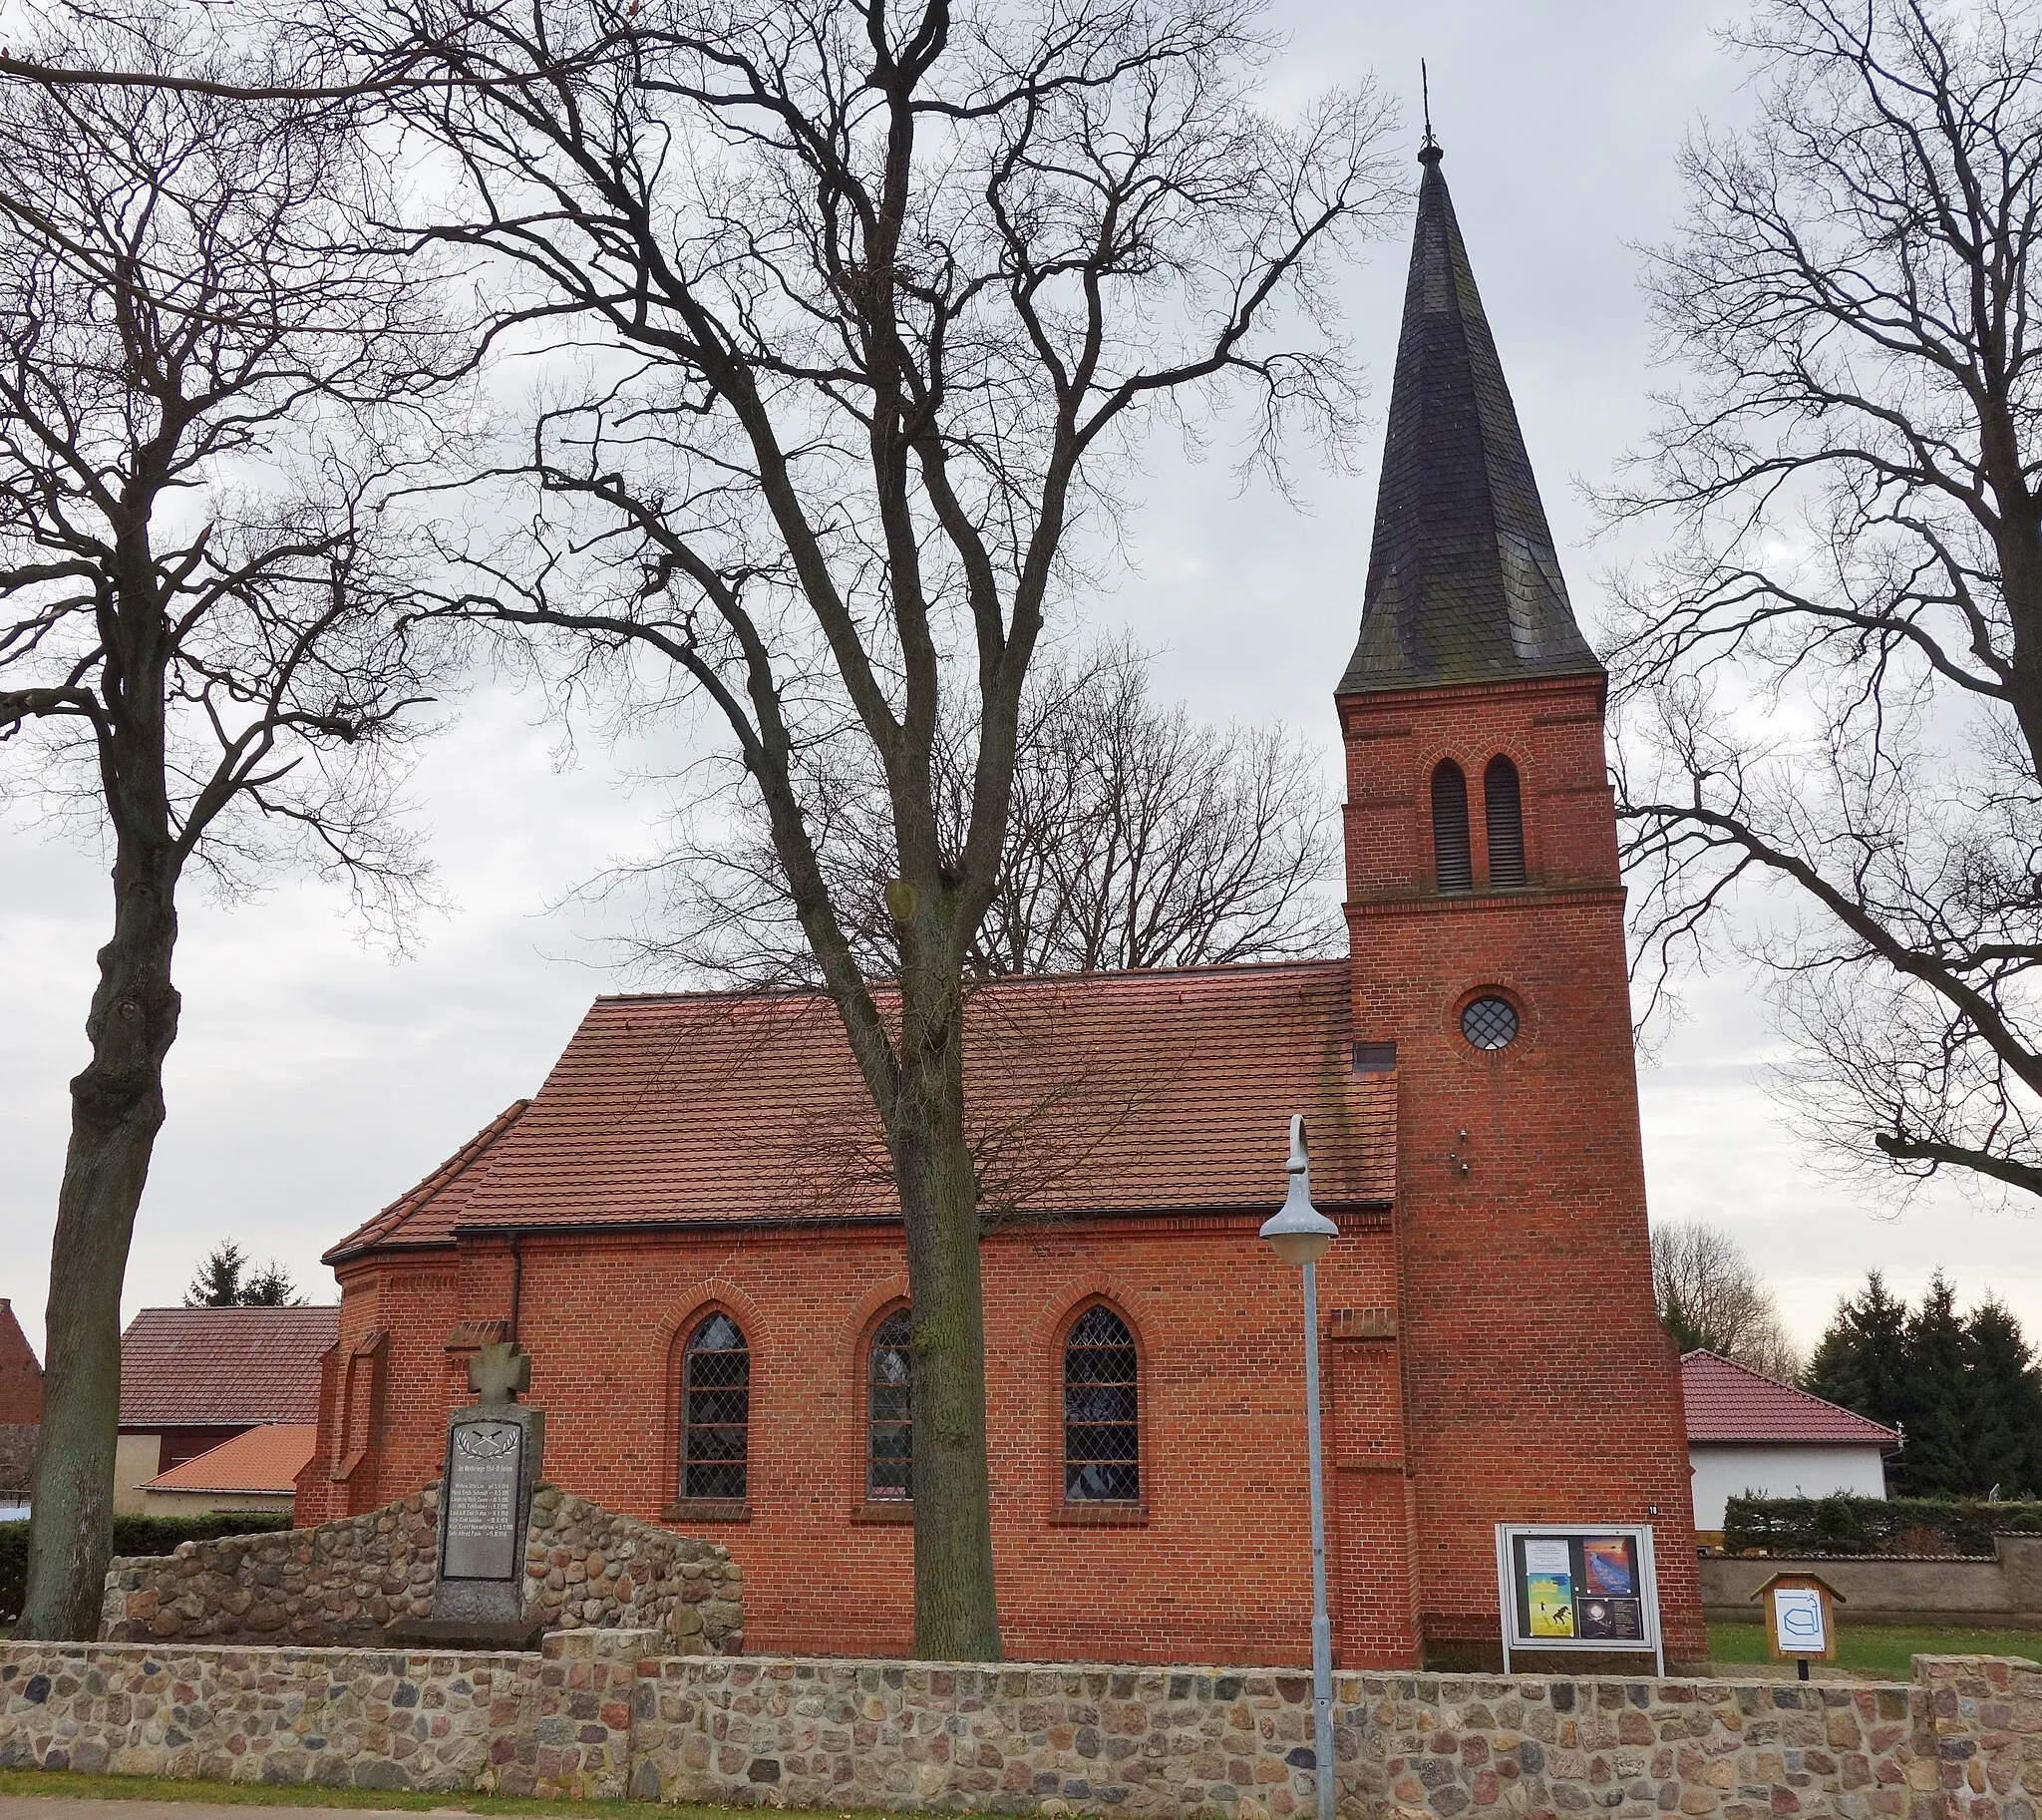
716,1396
1102,1430
889,1423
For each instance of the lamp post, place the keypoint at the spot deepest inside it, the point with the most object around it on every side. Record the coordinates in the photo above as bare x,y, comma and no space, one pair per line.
1300,1234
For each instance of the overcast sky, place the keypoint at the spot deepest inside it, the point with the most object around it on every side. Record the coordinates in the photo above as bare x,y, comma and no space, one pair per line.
316,1079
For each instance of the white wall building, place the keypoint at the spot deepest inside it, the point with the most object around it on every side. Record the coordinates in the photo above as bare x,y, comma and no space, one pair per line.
1747,1432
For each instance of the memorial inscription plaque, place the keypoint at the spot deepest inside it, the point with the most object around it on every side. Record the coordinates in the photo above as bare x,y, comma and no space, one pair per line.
484,1539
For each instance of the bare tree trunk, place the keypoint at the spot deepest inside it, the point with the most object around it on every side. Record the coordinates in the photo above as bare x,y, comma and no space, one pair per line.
117,1108
956,1610
172,668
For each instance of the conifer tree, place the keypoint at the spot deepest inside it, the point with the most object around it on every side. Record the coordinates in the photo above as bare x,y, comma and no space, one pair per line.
1861,1362
2006,1384
1965,1388
1936,1462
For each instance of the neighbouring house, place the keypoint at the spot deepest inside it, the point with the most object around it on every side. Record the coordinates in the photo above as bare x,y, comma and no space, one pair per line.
21,1408
1747,1432
256,1471
191,1378
689,1230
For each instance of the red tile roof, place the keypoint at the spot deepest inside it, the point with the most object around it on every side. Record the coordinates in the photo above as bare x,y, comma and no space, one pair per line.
1089,1094
447,1189
1727,1401
190,1368
266,1459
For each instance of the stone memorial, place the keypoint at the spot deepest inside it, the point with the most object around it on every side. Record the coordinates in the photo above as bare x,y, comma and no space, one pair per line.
494,1448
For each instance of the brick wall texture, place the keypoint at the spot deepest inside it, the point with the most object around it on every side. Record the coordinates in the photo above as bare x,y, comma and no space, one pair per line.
602,1713
349,1580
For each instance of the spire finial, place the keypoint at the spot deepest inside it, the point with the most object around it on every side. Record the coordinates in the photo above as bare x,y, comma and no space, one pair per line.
1428,153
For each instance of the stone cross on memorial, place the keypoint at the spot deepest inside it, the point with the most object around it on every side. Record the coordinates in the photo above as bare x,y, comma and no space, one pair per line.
493,1462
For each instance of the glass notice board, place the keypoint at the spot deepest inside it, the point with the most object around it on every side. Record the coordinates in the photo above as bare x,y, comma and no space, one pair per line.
1578,1587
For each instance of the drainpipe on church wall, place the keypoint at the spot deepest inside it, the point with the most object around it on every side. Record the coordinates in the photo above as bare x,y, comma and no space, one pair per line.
516,1286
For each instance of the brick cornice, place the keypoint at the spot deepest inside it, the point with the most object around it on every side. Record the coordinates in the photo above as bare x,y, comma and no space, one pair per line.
1360,704
1461,904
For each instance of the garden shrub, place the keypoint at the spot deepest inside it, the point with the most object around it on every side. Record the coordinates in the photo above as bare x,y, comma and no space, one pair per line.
1846,1524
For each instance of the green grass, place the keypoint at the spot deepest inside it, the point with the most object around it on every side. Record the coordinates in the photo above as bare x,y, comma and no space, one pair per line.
1880,1648
262,1794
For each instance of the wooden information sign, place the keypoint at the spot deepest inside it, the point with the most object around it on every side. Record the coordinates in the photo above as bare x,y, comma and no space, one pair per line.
1801,1625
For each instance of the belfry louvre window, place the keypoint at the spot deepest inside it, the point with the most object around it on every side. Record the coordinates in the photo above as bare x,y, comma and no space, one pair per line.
1102,1430
715,1416
1502,813
1452,864
889,1425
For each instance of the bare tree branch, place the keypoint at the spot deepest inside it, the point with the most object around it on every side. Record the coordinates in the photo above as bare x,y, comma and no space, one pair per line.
212,392
1830,685
1138,838
872,302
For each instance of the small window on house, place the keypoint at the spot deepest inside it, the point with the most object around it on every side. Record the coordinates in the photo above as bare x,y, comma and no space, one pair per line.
1502,813
716,1395
1102,1453
890,1426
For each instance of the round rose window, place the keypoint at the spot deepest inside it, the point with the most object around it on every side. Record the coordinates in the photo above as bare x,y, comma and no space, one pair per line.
1489,1023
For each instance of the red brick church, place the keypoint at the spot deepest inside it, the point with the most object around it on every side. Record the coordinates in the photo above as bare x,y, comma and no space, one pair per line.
688,1228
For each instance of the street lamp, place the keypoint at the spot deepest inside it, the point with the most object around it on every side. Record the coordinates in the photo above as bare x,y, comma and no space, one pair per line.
1300,1234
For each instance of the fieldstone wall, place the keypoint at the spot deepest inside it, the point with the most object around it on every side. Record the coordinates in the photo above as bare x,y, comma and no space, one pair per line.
600,1712
557,1723
1988,1716
349,1580
1195,1742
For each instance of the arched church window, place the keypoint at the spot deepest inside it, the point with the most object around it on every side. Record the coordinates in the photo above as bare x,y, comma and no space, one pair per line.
715,1416
1102,1430
1452,864
1502,813
889,1424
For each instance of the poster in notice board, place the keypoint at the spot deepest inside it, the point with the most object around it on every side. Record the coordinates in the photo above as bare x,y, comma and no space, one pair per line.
1565,1586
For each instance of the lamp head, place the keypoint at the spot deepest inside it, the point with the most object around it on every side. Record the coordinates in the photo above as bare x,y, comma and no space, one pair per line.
1297,1232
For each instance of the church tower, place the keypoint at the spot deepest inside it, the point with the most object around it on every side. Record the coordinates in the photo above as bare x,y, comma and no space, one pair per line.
1485,916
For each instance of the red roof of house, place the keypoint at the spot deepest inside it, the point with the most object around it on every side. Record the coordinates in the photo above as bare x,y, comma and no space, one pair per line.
266,1459
194,1367
21,1375
1727,1401
1099,1093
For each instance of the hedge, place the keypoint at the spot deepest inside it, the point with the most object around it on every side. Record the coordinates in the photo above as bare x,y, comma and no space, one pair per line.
132,1536
1842,1525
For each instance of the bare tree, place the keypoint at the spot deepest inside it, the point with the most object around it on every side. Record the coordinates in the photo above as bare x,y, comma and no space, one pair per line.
1710,1295
199,659
1138,838
1832,685
872,302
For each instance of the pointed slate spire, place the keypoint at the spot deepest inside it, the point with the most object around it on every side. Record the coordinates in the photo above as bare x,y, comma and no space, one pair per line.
1462,582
